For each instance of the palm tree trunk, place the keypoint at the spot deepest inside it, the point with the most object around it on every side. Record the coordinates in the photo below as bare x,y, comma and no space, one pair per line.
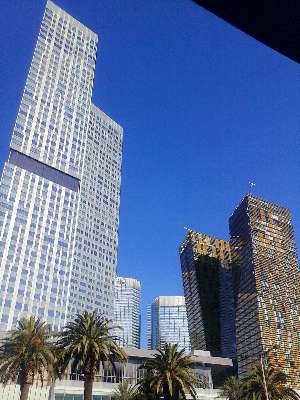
51,391
88,388
166,394
176,395
24,391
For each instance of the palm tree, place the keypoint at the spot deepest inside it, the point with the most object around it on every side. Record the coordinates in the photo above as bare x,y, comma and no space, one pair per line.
275,381
146,391
125,392
27,353
232,389
87,342
171,373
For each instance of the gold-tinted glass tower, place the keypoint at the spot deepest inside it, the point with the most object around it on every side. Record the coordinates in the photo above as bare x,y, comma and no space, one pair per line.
267,283
207,280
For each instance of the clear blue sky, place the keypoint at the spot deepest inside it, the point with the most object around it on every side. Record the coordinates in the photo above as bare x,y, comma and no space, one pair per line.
204,107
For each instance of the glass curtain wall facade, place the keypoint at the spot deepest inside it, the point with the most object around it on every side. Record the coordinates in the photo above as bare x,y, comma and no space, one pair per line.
267,286
44,182
127,312
167,323
207,281
96,239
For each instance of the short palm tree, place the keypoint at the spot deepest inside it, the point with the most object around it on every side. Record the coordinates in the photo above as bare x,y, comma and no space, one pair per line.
87,342
125,392
26,353
171,373
232,389
146,391
276,383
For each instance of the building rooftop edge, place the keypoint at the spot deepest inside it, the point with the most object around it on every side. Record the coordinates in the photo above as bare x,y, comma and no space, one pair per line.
55,7
186,239
251,195
197,358
98,110
131,281
170,300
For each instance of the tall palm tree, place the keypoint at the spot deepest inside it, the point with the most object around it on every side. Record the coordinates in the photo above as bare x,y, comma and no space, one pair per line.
171,373
87,342
27,353
125,392
232,389
274,380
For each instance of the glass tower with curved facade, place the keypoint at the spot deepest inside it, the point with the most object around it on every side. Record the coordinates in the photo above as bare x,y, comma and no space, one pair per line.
127,312
167,323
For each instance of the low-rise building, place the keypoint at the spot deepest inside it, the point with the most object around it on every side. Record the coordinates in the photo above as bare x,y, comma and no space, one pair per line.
210,370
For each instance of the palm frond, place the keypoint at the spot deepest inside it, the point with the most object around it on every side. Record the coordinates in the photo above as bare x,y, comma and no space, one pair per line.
86,343
125,392
275,383
171,372
27,353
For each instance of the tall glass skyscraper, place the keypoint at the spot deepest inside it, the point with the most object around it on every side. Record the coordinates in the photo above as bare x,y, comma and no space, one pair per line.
167,323
267,284
127,312
60,188
243,295
206,265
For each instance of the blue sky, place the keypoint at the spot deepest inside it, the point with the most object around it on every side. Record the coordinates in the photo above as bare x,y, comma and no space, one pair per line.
205,110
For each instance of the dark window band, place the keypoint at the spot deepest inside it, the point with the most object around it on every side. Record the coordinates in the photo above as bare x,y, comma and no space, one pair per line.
45,171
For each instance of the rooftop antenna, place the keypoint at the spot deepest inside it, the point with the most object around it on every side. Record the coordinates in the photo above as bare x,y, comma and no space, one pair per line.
251,186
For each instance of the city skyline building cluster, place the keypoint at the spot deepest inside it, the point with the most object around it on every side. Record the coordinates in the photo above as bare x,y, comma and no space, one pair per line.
59,221
60,188
167,323
242,295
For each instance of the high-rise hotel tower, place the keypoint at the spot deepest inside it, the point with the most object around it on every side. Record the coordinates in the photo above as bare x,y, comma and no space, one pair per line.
267,281
127,312
243,296
167,323
60,188
206,272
